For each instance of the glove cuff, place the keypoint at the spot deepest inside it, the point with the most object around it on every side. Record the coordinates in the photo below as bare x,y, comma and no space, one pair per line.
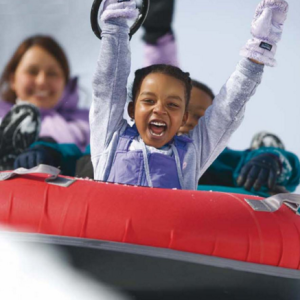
126,10
261,51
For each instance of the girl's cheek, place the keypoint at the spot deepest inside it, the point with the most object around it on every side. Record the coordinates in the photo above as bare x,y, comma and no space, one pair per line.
24,82
58,84
141,107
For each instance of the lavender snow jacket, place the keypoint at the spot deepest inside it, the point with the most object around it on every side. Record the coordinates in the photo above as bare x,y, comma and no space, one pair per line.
65,123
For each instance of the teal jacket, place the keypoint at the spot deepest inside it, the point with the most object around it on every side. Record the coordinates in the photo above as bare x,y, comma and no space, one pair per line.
223,173
69,154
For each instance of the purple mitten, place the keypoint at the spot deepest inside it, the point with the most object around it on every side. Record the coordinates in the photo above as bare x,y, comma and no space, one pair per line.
163,52
118,9
266,30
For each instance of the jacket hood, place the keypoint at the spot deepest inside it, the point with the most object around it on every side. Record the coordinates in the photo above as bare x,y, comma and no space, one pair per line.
70,97
4,108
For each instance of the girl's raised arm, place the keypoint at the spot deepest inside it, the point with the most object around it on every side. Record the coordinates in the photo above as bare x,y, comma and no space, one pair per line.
110,78
227,111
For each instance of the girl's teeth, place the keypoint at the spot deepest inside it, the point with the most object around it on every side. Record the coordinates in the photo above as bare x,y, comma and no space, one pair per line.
158,124
155,134
42,94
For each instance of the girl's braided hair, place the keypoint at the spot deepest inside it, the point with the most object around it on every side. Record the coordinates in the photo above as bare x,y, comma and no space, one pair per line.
175,72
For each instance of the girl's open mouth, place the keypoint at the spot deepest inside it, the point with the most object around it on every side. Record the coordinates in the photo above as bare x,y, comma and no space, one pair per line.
157,128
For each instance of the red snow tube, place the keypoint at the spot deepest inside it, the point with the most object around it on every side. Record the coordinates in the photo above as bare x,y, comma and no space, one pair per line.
209,223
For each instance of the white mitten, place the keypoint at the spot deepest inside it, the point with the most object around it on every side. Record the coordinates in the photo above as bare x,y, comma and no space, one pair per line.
266,30
118,9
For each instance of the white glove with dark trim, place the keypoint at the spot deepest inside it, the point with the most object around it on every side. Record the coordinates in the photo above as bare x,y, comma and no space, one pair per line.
118,9
266,30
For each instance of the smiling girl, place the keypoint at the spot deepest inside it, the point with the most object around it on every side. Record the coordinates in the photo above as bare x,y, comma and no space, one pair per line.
150,153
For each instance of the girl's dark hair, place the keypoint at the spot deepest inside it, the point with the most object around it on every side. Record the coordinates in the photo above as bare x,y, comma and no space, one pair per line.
203,87
45,42
175,72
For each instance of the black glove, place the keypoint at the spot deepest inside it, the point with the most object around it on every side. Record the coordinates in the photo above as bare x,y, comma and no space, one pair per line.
38,155
260,170
158,21
84,167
